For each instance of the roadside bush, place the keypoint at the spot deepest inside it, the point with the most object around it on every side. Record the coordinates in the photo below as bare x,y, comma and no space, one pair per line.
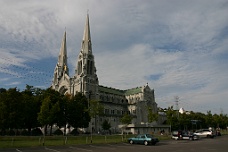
36,132
24,133
10,133
58,132
74,132
2,132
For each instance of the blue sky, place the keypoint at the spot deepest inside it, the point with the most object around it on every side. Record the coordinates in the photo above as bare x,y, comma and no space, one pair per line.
178,47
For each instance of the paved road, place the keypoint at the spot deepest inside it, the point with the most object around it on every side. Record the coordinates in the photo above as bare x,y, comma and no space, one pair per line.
218,144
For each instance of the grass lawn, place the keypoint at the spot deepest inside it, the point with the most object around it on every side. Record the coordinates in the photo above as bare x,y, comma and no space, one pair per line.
35,141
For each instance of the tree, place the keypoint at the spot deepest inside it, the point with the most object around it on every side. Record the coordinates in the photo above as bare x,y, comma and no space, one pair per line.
209,119
172,118
62,121
77,113
106,125
95,108
3,109
126,120
13,101
151,115
50,111
30,108
43,115
185,121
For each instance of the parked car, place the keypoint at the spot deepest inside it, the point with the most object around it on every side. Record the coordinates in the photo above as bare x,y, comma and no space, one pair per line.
176,135
145,139
184,135
189,136
205,133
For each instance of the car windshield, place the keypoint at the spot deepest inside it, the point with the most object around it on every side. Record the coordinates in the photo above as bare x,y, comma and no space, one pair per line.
149,136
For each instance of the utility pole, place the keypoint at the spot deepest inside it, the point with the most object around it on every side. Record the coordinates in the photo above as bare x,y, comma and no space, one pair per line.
177,106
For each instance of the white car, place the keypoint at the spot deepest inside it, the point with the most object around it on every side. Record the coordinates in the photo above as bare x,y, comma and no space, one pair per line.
205,133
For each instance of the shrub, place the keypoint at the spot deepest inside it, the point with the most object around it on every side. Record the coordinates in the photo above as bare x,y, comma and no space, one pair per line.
36,132
74,132
58,132
10,133
24,133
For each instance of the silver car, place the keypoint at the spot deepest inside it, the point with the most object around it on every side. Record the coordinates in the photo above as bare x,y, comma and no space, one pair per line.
205,133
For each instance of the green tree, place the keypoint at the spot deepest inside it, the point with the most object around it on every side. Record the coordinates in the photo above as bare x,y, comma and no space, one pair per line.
43,115
125,120
3,109
106,125
184,121
15,109
95,108
151,115
209,119
30,109
11,109
77,113
50,111
172,118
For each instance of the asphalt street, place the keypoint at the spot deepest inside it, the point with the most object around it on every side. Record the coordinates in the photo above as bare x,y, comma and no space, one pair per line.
218,144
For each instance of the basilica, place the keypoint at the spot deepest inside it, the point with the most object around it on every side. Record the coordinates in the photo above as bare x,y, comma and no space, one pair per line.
116,102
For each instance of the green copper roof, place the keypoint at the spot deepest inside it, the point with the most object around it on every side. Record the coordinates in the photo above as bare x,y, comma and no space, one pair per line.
111,90
133,91
120,92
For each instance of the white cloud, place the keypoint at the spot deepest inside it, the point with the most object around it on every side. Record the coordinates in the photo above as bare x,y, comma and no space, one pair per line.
178,47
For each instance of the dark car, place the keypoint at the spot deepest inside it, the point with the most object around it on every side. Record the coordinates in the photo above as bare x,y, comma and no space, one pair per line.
189,135
184,135
145,139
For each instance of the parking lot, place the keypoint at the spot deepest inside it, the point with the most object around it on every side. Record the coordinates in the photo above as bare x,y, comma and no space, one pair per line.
207,144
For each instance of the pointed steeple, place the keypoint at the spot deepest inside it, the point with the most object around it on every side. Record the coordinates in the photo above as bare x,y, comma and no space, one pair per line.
86,41
86,80
62,62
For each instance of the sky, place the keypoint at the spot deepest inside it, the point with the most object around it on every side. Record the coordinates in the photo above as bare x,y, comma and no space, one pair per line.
178,47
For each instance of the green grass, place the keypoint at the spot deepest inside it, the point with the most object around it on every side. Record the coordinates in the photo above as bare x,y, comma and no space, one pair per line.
34,141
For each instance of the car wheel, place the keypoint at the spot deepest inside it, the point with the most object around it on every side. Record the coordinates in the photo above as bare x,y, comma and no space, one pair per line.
131,142
145,143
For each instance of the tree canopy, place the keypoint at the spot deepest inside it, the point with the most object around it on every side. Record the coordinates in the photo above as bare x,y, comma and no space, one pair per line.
195,120
35,107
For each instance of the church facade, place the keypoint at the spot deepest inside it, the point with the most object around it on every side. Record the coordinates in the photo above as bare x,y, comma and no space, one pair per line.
116,102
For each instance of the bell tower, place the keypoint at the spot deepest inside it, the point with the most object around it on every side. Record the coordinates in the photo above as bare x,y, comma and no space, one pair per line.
85,78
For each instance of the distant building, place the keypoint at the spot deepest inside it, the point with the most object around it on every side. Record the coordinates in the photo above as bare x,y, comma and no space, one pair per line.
116,102
182,111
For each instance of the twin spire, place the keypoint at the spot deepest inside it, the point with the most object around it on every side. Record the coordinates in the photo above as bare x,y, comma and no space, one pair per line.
86,40
62,62
85,48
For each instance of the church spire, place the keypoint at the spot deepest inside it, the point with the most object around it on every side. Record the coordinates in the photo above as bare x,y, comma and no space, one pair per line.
62,62
86,41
